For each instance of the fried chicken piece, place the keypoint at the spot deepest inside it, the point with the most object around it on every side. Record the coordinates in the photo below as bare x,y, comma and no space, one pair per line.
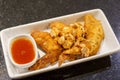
53,50
78,29
79,50
65,35
95,33
90,44
62,33
77,40
63,57
46,60
56,28
46,42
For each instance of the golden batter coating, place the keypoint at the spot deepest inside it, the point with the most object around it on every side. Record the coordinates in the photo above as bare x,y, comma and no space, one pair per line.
90,44
46,42
53,50
69,42
95,33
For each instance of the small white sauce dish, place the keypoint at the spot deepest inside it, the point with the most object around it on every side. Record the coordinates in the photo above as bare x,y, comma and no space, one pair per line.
28,64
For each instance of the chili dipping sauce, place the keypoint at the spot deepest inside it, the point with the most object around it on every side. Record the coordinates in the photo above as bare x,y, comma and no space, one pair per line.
22,50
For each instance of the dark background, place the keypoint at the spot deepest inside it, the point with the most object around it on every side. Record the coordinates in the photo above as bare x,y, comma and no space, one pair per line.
18,12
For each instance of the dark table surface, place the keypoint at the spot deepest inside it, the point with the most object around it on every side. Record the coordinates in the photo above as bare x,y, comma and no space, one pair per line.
18,12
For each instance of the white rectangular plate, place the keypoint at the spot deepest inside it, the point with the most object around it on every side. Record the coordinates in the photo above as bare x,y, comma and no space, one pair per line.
109,45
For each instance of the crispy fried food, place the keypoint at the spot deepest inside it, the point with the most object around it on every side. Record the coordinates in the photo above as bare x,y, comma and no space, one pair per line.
90,44
62,34
53,50
63,57
66,35
78,34
46,42
95,33
69,54
79,50
46,60
56,28
78,30
69,42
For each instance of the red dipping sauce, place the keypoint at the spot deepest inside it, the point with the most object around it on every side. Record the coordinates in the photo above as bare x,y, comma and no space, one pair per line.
22,50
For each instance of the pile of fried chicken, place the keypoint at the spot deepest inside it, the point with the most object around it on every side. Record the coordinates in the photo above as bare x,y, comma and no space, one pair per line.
68,42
